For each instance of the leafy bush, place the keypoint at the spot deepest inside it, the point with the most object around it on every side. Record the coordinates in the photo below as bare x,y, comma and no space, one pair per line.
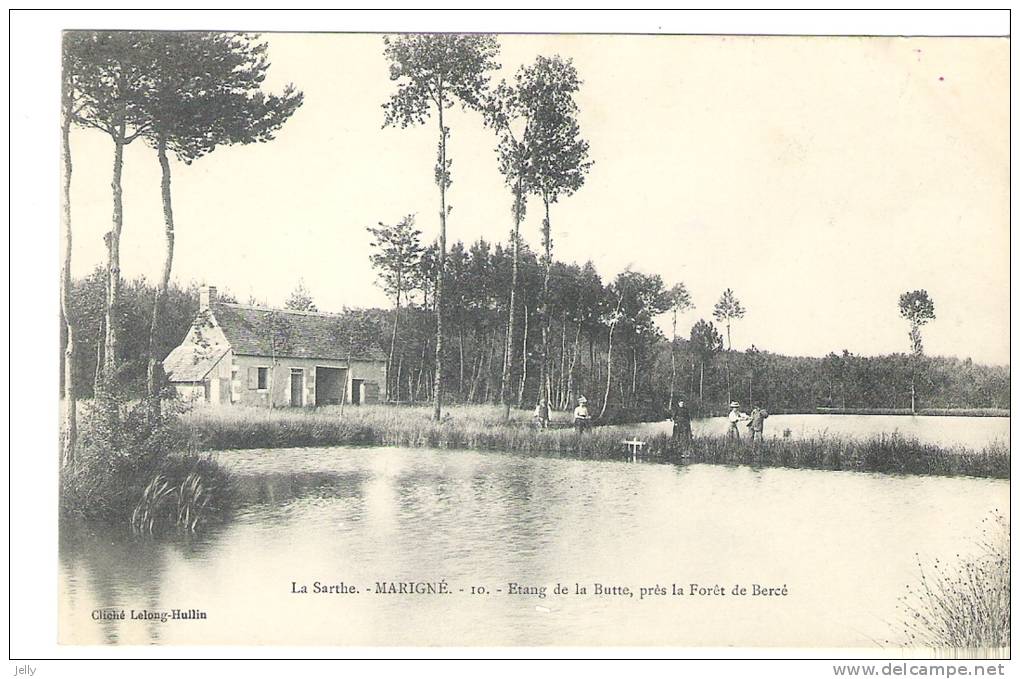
134,465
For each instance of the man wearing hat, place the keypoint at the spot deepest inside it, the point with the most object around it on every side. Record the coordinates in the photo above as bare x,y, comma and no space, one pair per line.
757,423
734,417
582,418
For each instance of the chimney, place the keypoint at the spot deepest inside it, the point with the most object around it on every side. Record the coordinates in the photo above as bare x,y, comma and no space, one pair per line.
206,297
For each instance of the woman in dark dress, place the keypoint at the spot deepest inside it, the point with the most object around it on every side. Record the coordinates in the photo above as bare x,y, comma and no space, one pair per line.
682,435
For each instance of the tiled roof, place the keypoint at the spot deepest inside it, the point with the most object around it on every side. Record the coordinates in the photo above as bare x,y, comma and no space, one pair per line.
191,362
251,331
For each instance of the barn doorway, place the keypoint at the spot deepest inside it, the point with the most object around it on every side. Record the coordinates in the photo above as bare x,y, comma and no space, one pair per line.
356,391
297,387
329,385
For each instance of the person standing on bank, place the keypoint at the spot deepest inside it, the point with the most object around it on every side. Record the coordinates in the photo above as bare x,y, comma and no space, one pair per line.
582,418
757,423
542,414
734,418
682,436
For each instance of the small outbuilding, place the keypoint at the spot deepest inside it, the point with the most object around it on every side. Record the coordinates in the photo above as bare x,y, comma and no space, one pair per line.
251,355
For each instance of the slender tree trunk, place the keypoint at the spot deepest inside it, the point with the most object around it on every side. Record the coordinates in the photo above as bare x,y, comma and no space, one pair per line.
672,360
544,378
159,301
484,369
343,392
475,367
437,394
506,347
563,378
393,346
524,361
400,368
489,386
460,382
609,358
508,363
726,370
69,439
591,361
113,259
633,378
571,386
98,373
609,370
476,372
421,369
478,394
690,385
273,329
701,384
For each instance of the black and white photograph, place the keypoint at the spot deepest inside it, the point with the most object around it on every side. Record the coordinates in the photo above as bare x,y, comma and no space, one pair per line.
459,338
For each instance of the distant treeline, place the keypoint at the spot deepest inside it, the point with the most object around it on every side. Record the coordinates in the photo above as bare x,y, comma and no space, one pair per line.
584,313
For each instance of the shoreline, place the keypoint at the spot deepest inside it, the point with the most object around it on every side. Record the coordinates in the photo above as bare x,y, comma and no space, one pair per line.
733,458
922,412
477,429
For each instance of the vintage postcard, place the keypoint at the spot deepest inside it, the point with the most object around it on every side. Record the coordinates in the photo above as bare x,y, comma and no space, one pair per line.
480,339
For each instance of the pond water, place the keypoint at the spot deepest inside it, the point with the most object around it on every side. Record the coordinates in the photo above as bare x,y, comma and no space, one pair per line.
843,545
972,432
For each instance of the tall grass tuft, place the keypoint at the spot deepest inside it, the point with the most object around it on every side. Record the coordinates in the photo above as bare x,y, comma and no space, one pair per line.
185,492
964,605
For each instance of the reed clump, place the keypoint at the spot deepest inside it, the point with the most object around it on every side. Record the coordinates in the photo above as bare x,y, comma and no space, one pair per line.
964,605
483,428
184,494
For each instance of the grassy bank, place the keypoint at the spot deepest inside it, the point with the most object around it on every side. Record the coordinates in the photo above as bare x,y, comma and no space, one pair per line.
891,454
482,428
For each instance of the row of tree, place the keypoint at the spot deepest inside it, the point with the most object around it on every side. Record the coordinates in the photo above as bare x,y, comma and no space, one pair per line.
604,335
182,93
637,376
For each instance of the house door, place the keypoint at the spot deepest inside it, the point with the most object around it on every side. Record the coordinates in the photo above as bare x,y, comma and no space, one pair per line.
297,387
356,392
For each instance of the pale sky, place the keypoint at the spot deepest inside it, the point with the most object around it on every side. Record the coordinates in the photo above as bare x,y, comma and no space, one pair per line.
817,177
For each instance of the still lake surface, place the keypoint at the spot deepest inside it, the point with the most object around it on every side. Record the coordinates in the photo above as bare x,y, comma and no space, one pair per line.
845,545
972,432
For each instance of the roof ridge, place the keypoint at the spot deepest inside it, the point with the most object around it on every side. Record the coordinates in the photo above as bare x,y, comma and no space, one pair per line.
254,307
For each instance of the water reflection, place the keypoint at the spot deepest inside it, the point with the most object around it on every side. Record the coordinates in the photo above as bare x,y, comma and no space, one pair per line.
111,569
279,488
843,542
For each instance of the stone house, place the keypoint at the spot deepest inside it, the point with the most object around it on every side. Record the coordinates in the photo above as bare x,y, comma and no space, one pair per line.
236,353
